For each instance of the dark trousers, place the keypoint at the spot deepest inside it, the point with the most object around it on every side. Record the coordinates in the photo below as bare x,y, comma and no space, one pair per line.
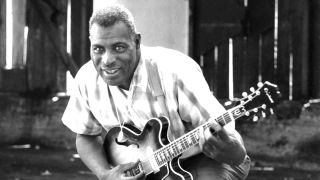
204,168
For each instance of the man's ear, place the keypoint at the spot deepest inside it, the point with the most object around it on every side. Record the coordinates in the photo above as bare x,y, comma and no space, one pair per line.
138,40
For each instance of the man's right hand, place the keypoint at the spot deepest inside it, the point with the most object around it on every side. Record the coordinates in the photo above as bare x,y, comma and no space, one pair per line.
120,172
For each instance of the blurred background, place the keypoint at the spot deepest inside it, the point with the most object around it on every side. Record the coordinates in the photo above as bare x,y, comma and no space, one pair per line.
237,43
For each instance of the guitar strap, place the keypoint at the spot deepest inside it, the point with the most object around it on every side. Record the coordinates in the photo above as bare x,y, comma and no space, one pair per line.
154,80
155,83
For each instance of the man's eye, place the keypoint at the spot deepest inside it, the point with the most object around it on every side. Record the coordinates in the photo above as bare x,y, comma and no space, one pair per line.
119,48
97,50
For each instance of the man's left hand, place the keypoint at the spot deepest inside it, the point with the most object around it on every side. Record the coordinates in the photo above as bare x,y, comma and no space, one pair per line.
222,145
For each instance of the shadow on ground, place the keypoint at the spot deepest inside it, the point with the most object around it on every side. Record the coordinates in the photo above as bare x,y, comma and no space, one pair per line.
38,163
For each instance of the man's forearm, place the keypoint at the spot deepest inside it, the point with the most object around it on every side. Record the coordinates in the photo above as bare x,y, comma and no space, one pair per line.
92,154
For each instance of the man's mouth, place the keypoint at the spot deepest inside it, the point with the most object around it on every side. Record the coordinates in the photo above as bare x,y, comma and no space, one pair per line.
111,71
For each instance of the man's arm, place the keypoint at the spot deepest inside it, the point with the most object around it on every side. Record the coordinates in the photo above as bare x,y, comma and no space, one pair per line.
92,154
90,149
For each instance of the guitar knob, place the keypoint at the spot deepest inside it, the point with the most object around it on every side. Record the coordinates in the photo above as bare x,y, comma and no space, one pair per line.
255,110
258,93
252,89
264,106
271,111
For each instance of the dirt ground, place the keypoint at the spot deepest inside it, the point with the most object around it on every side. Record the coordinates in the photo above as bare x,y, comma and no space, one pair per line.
38,163
285,147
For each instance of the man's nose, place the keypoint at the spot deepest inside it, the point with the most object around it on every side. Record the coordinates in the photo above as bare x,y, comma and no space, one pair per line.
108,58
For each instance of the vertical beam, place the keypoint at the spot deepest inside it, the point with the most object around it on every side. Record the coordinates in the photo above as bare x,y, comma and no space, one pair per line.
267,63
299,38
251,62
2,34
282,71
315,49
46,45
81,11
223,72
238,60
19,22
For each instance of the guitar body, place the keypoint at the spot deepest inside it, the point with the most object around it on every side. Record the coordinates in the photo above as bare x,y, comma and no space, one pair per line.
137,144
159,158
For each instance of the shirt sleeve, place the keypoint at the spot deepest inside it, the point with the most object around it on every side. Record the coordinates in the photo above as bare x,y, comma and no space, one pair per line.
77,116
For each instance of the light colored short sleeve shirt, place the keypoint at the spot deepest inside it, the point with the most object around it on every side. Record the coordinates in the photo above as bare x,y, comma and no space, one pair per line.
94,104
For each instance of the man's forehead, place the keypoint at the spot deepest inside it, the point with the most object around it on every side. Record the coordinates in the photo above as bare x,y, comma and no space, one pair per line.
116,31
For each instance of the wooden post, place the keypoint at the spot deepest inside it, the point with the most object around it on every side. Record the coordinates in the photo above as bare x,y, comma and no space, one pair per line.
2,34
19,23
47,45
81,11
315,48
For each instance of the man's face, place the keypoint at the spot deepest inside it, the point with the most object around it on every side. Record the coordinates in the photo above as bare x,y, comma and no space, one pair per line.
114,53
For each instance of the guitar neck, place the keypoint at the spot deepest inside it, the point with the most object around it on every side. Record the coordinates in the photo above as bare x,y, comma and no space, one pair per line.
185,142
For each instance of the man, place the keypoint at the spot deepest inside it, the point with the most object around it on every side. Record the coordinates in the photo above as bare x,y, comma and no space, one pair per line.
113,89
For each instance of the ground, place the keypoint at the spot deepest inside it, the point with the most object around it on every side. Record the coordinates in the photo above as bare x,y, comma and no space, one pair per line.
282,147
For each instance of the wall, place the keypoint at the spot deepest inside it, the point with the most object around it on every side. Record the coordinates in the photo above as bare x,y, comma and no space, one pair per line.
35,121
164,22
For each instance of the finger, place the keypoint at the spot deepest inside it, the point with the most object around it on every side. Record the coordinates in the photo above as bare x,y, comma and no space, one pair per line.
209,137
224,135
141,175
201,138
132,170
215,127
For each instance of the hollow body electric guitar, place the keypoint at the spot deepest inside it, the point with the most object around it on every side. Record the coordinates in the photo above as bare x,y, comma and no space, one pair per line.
159,158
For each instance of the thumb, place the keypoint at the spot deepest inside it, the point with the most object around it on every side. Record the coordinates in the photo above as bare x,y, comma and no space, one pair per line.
129,166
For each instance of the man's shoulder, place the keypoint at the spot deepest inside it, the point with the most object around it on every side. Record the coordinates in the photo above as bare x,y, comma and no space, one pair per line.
87,73
87,69
166,56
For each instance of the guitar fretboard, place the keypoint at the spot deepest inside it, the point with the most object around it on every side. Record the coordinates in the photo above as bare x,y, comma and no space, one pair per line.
180,145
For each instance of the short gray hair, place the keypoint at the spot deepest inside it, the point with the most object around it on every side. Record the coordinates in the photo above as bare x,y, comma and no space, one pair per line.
112,14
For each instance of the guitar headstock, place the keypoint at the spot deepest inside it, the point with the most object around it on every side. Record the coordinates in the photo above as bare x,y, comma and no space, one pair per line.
259,102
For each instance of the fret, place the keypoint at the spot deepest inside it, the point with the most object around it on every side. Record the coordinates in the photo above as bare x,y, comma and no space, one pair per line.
179,146
224,121
228,117
172,150
185,142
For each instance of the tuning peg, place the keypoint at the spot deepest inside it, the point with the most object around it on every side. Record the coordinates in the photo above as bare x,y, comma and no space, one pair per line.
247,113
271,111
263,114
258,93
255,119
264,106
255,110
260,84
252,89
244,94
